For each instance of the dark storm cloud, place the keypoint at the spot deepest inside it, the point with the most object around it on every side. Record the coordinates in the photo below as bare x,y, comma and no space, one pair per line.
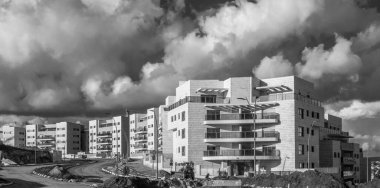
82,58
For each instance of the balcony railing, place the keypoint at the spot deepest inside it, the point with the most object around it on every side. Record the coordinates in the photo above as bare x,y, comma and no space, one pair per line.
105,134
241,116
104,148
104,142
349,160
247,152
348,173
45,137
197,99
347,146
139,138
265,134
290,96
141,146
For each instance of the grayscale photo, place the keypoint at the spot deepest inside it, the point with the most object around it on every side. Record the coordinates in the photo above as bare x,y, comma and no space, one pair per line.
190,93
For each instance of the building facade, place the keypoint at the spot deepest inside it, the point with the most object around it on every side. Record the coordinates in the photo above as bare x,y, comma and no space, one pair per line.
109,138
13,136
42,136
336,151
68,138
138,135
245,125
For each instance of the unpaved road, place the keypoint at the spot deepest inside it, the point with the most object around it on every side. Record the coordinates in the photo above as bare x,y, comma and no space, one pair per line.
22,177
93,170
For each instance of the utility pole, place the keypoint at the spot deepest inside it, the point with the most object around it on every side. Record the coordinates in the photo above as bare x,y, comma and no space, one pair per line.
35,149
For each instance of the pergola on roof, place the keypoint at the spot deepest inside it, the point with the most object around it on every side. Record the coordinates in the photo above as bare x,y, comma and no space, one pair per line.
236,107
274,89
212,90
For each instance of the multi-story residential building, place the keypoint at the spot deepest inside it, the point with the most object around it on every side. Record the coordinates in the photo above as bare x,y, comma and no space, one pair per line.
85,139
138,135
108,138
68,137
244,125
14,136
336,151
44,134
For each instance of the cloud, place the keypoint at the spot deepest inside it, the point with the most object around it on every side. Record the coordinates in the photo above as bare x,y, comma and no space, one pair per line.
272,67
339,60
355,110
81,58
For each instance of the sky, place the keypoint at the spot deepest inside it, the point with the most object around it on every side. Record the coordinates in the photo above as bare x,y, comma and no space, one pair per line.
80,59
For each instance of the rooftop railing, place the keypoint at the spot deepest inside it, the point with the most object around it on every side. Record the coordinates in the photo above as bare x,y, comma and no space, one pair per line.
265,134
290,96
197,99
243,116
246,152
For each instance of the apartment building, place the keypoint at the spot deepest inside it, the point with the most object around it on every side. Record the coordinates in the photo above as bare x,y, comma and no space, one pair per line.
42,135
109,137
138,135
68,137
244,124
13,136
336,151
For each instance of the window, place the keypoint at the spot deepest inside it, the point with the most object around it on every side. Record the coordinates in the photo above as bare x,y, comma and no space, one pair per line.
307,113
183,151
183,133
179,115
312,132
300,112
175,117
302,165
300,131
307,130
301,149
317,115
338,155
171,118
334,154
312,114
183,116
179,133
312,148
179,149
312,165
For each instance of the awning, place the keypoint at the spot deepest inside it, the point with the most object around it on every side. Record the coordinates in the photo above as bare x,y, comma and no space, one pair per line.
252,107
212,90
274,89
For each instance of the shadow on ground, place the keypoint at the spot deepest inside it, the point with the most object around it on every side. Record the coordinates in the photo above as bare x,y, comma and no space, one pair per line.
17,183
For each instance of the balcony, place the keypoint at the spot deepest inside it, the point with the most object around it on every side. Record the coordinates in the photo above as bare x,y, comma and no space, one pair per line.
267,136
290,96
104,135
220,155
347,146
45,137
141,139
141,147
197,99
104,142
349,160
141,131
348,174
104,148
245,118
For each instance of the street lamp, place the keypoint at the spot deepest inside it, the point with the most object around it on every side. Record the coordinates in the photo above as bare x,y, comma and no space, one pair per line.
254,127
155,139
308,145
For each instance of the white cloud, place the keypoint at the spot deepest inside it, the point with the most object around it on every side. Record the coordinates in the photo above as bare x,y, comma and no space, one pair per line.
356,110
275,66
339,60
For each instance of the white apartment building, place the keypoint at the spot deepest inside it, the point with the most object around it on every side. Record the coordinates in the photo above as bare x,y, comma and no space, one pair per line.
138,135
212,125
13,136
110,137
45,135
